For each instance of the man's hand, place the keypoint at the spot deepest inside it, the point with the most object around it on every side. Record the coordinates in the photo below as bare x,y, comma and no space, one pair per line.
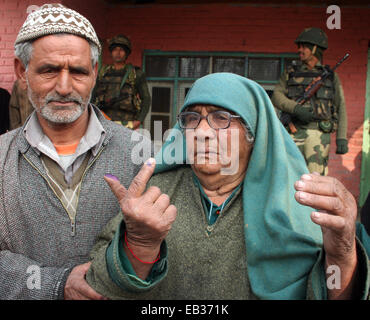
336,214
148,216
76,287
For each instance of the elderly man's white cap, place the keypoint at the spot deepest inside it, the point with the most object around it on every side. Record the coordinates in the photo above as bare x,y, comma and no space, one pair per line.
56,18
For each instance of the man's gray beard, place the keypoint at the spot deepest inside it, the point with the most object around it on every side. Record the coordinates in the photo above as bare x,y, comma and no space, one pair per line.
69,115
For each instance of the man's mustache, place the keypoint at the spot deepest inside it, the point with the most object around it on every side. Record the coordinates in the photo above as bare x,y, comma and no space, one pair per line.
58,98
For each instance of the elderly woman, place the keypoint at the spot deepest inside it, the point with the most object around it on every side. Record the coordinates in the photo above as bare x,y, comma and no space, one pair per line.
221,219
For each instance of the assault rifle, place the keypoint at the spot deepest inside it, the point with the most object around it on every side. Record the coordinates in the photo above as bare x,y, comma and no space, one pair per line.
112,101
310,90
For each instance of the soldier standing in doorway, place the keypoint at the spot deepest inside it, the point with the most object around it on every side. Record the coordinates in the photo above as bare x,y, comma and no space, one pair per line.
121,91
321,115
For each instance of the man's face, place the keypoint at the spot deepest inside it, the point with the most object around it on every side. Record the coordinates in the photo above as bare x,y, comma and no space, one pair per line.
118,54
60,77
305,54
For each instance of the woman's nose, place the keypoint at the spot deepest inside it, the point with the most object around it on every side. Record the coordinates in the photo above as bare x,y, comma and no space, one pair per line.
204,130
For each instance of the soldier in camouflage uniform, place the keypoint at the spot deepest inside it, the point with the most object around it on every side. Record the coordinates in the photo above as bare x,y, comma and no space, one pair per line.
324,114
121,90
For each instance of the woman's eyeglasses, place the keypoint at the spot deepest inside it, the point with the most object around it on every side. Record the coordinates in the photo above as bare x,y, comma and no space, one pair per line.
215,119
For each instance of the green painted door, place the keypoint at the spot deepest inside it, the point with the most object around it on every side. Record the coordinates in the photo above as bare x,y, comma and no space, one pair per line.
365,164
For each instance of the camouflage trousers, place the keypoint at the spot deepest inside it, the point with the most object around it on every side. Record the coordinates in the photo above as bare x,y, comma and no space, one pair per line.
314,145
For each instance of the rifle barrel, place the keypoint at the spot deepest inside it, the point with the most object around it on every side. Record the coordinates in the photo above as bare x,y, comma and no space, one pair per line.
308,94
340,61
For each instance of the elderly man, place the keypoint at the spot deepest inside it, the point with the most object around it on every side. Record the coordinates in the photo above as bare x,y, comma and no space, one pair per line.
53,199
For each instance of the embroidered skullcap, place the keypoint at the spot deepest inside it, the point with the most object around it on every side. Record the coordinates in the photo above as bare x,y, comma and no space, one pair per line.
56,18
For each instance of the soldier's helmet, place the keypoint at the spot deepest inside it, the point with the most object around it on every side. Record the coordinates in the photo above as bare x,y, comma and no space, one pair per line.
313,36
122,41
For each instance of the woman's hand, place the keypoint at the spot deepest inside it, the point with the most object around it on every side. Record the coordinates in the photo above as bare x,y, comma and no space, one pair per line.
148,217
336,212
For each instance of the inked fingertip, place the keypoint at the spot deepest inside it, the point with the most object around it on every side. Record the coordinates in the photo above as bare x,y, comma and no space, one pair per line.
150,162
111,176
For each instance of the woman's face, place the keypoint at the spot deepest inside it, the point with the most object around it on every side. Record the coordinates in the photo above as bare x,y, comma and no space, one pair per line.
217,151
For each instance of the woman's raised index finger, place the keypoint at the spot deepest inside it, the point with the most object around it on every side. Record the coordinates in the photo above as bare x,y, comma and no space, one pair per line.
117,188
138,184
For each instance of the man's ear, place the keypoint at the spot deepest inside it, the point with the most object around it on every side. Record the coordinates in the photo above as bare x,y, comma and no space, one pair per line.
20,72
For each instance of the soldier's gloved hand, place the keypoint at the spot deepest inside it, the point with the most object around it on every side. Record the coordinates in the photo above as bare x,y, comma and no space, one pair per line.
285,118
305,115
342,146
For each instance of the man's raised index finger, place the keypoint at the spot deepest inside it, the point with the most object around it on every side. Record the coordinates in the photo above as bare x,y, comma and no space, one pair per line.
138,185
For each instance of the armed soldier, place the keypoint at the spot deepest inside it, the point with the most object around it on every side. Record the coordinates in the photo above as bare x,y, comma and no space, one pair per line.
121,90
324,113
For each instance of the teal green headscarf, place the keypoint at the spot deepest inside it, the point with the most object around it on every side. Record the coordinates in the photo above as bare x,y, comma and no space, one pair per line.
282,242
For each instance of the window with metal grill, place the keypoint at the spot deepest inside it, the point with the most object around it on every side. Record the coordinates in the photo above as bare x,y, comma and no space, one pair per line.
171,74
